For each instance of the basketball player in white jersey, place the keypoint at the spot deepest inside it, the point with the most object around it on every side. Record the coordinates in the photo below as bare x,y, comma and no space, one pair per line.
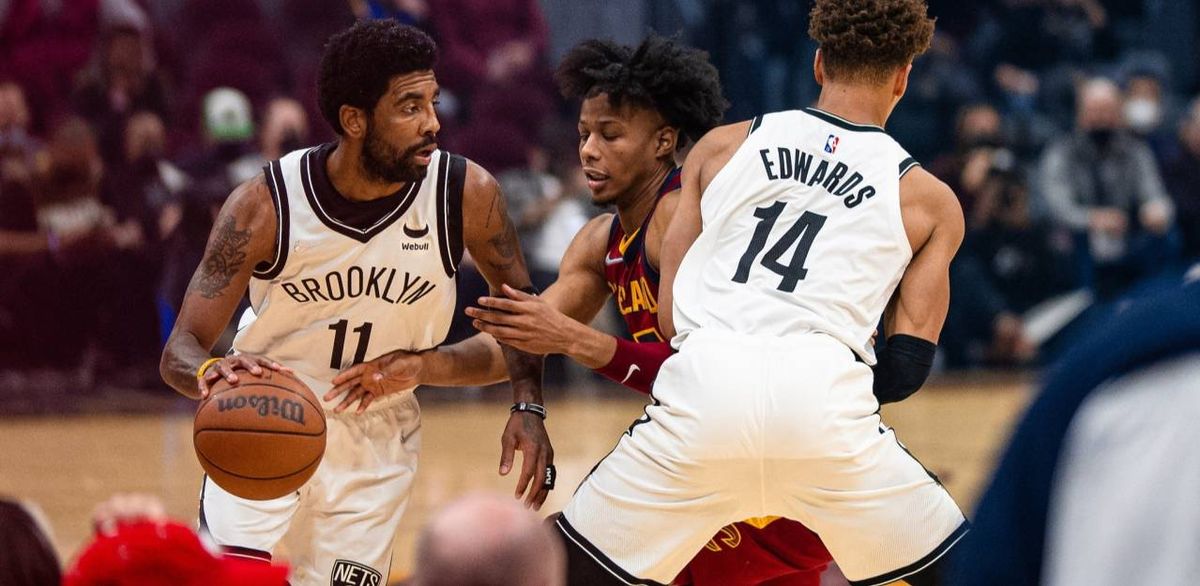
801,229
349,251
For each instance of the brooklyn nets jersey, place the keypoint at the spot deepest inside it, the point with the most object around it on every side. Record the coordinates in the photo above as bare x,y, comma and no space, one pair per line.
351,281
801,233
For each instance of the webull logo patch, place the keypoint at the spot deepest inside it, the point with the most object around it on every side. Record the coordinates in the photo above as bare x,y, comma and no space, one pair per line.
264,405
347,573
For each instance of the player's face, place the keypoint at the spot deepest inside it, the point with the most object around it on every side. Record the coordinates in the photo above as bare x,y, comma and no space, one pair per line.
402,131
617,147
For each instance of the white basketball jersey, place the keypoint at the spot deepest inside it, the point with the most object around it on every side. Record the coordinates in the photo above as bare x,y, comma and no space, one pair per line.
801,233
354,280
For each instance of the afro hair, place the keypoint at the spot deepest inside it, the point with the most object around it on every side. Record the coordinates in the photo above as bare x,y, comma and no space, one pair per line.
661,74
361,61
866,40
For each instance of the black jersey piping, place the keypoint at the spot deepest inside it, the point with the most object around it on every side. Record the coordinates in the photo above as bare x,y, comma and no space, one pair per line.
273,173
451,180
363,235
907,165
842,122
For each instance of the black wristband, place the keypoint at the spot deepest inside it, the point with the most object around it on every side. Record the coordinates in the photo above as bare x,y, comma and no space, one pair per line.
534,408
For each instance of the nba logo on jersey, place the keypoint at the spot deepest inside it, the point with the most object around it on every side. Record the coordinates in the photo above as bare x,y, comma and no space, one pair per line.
347,573
831,144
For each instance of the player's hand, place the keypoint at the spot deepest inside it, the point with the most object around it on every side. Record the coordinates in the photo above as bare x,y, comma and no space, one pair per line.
391,373
227,369
526,433
127,508
525,322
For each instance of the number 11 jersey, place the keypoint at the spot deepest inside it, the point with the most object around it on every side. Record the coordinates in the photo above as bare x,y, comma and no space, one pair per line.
352,281
801,233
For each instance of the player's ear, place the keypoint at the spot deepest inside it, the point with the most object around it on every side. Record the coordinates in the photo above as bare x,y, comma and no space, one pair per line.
668,139
819,68
900,81
354,121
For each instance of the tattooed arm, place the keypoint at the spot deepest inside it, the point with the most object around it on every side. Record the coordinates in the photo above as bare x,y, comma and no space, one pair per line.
491,238
242,236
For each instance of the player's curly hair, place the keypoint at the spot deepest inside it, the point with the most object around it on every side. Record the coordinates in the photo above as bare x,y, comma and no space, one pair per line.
662,74
360,61
866,40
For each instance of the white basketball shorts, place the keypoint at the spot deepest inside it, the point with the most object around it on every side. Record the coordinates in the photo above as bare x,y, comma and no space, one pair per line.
338,529
746,426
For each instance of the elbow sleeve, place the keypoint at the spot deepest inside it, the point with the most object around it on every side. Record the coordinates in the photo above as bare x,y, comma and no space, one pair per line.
902,367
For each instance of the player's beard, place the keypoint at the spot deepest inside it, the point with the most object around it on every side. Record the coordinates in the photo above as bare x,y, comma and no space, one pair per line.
383,163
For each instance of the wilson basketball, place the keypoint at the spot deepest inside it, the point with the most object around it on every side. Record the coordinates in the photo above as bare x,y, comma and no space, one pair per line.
261,438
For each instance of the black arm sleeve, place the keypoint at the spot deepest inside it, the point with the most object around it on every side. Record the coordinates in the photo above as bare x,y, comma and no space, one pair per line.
902,368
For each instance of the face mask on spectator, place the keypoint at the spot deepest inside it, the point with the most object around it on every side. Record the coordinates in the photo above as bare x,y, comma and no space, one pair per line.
1143,114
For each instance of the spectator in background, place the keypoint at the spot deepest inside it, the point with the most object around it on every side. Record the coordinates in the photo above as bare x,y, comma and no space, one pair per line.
214,170
494,78
121,82
1008,263
1102,184
980,148
488,540
44,43
27,557
410,12
1148,112
284,129
1182,174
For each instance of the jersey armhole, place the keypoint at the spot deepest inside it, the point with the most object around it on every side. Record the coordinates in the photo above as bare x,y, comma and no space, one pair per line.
908,165
273,174
451,181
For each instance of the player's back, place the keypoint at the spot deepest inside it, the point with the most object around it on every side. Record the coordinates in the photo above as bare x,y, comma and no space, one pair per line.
802,233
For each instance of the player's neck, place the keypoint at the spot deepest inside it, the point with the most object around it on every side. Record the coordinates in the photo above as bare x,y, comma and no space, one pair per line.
636,205
351,181
859,104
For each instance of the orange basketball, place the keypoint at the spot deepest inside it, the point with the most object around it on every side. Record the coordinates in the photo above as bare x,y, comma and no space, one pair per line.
261,438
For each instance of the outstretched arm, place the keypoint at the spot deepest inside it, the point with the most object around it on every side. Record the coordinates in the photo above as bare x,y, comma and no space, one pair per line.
242,236
491,238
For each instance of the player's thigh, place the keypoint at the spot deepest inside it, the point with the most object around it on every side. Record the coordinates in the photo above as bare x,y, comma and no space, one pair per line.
362,491
245,527
878,510
644,513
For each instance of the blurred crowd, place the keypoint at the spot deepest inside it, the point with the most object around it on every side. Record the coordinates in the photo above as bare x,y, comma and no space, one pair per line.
1066,127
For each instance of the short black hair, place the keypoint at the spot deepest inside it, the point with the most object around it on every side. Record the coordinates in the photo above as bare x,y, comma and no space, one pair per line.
662,74
361,61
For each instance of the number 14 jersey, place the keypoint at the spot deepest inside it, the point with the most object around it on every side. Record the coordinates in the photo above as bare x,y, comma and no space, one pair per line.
801,233
351,281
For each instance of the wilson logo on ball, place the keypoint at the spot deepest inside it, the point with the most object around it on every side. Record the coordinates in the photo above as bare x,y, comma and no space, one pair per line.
265,405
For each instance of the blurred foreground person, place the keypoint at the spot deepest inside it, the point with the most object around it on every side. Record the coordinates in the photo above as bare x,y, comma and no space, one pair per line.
488,540
1099,481
26,556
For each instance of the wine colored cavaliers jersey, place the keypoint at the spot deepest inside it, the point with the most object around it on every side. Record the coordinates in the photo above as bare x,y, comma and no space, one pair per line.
354,280
634,283
801,233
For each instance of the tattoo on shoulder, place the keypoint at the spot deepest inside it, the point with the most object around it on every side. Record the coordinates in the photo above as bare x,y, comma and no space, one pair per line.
225,257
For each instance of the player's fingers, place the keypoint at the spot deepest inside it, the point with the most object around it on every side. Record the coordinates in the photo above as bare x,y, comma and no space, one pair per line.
347,400
492,317
227,372
203,385
507,447
349,374
267,362
516,293
537,491
365,402
250,363
500,303
528,470
339,390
